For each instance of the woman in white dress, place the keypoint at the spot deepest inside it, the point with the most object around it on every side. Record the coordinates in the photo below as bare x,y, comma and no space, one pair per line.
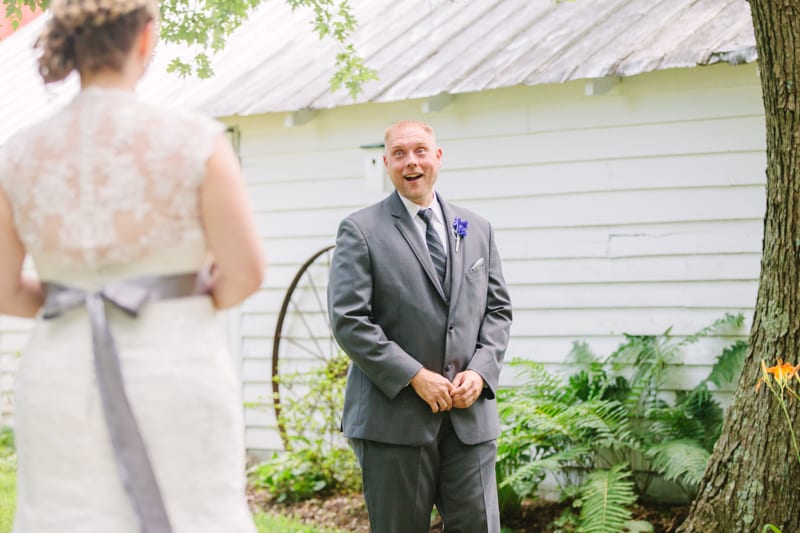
127,411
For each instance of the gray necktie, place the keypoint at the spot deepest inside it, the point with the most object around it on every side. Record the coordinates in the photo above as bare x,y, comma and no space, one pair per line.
435,248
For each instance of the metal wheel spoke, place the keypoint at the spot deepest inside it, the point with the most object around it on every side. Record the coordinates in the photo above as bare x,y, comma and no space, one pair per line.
305,288
319,300
311,335
294,342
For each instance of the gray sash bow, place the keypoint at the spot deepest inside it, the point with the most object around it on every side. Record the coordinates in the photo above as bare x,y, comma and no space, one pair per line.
130,452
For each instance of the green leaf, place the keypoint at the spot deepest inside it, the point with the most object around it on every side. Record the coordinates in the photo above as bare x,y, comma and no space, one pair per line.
728,365
727,322
683,461
605,499
180,67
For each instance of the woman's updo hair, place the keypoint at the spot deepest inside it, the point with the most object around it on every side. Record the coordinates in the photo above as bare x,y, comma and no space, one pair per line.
90,35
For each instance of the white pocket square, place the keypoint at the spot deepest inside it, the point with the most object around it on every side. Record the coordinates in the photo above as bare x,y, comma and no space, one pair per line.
477,265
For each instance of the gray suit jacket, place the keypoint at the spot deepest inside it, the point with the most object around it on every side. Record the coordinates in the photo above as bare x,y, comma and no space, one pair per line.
391,315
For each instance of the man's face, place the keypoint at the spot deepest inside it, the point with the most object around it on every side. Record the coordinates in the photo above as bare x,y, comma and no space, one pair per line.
412,161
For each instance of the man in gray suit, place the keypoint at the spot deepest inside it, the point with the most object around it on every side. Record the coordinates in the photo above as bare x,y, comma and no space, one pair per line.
418,301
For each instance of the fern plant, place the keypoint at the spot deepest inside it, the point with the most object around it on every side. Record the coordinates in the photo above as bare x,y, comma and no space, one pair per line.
611,420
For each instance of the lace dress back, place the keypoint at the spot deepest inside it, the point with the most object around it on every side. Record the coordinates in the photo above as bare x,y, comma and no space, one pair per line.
109,188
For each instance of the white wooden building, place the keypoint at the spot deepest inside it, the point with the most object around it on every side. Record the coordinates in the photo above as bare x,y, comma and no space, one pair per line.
623,171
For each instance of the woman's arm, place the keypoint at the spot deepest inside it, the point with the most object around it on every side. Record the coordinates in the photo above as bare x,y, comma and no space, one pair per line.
230,229
20,295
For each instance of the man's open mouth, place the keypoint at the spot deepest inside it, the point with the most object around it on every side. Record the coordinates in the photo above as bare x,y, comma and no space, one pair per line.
412,177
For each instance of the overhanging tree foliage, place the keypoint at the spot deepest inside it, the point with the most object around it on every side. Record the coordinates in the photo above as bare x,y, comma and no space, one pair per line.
206,25
753,477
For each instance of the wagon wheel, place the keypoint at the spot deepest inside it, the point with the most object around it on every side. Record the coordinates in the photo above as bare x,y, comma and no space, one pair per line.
306,358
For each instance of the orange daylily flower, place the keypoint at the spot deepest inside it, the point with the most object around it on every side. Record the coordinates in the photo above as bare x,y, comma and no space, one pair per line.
782,372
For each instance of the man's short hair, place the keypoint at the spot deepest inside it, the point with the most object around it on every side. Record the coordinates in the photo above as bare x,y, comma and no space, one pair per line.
424,125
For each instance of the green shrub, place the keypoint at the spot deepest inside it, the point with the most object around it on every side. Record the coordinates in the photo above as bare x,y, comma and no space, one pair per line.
303,473
318,461
611,422
8,454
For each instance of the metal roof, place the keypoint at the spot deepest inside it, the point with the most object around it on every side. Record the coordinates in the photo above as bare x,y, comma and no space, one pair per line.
420,48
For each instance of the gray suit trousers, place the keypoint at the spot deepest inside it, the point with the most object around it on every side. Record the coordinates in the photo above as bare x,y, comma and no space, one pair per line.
402,484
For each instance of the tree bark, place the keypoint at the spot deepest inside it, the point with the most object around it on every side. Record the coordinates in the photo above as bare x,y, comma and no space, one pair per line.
753,476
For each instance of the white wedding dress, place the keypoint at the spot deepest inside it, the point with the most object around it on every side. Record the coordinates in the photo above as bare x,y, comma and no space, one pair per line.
106,190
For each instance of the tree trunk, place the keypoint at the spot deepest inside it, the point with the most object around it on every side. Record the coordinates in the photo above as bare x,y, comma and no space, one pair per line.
753,476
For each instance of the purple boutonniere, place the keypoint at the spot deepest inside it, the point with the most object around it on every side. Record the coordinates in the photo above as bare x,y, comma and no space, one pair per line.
459,230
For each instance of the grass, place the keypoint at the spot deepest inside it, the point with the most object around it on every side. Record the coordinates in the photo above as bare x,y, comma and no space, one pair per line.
8,496
269,523
266,523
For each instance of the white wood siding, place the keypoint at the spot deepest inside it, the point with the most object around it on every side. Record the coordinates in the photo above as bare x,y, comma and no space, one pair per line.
630,212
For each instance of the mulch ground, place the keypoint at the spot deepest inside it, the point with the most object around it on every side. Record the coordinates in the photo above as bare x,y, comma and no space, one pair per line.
536,516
